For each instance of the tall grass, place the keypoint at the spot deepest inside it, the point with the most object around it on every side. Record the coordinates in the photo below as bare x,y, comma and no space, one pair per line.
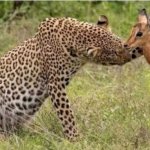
111,104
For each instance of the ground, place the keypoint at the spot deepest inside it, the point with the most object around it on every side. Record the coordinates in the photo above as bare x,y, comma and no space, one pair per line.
111,104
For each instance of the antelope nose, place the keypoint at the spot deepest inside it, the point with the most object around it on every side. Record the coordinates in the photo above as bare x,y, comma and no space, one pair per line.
137,48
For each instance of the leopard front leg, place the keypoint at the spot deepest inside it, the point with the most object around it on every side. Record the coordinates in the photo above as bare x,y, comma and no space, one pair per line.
64,112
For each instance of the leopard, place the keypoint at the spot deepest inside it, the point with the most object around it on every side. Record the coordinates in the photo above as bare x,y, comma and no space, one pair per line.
42,67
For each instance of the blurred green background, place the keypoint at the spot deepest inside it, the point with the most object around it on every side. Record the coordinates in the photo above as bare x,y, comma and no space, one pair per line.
111,104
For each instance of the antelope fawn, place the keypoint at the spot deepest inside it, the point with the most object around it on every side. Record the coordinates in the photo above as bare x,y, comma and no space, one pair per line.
140,35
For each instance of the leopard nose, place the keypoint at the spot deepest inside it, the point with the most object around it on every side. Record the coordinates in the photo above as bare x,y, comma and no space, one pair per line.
125,45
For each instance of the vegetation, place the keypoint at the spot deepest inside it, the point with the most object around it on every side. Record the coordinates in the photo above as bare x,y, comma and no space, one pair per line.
111,104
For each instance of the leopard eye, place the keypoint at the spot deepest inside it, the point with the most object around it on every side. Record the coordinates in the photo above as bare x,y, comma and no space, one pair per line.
139,34
101,22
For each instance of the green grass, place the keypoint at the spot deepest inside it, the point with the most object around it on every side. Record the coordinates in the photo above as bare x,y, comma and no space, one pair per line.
111,104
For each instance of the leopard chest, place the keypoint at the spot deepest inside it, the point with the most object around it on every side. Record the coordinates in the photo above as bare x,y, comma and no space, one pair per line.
23,95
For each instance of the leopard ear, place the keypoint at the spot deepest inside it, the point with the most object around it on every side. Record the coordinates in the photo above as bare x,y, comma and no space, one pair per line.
103,21
143,17
92,51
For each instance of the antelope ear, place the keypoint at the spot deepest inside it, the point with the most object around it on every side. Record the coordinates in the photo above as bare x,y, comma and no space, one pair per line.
143,17
103,21
148,20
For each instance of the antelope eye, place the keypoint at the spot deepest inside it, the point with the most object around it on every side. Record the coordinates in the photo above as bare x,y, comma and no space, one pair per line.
139,34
